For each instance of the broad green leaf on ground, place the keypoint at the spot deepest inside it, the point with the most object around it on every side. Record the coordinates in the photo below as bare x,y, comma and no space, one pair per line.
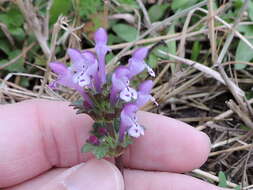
250,10
195,50
59,7
17,32
245,29
18,66
182,4
89,7
113,39
243,52
170,47
157,11
152,60
237,3
131,3
13,17
109,57
222,179
125,32
4,46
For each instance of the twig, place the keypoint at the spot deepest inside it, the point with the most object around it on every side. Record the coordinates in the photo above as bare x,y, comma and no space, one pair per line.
211,30
35,24
127,17
56,29
219,117
231,150
202,68
212,177
244,116
145,13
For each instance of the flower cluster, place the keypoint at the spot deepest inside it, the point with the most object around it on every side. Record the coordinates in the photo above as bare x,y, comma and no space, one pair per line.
109,99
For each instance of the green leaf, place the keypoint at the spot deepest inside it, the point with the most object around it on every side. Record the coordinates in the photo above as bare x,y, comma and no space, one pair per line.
89,7
250,10
195,50
113,39
99,151
157,11
152,60
172,47
243,53
87,147
12,17
18,33
182,4
4,46
59,7
127,141
18,65
109,57
238,187
24,82
222,179
125,32
131,3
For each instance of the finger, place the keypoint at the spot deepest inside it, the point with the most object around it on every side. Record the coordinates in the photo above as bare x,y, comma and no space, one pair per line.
134,180
36,135
168,145
142,180
92,175
40,134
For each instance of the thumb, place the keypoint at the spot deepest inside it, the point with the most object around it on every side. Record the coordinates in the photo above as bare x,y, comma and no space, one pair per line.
92,175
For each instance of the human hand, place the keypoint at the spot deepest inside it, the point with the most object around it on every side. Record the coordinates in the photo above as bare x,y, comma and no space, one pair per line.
40,147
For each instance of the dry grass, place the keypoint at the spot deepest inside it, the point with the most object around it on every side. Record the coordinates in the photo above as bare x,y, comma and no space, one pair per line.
209,96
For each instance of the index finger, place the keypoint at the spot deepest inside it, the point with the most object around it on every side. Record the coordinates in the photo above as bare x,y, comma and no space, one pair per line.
37,135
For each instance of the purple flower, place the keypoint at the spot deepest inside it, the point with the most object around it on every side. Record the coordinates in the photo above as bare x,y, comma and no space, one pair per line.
102,131
84,66
101,49
120,86
129,123
64,77
93,140
144,91
136,63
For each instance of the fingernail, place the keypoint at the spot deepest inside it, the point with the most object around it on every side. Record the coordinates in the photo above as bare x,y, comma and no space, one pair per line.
95,175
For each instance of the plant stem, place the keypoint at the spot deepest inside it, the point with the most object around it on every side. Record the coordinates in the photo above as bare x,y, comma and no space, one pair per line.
119,164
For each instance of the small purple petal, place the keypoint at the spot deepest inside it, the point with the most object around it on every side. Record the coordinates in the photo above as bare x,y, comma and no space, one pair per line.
65,78
85,67
101,49
58,68
146,87
119,82
76,58
93,140
127,118
100,36
136,63
140,53
144,91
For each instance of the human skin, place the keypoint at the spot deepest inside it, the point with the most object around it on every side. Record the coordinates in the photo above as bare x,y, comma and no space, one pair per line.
40,147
